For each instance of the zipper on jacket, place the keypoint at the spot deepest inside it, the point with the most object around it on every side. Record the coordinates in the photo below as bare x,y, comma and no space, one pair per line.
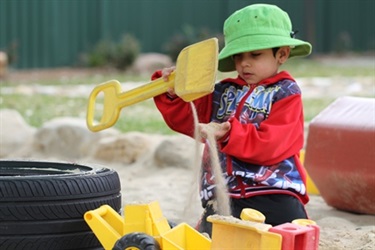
242,102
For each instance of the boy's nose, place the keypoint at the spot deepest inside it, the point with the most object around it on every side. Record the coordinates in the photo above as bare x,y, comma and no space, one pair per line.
245,62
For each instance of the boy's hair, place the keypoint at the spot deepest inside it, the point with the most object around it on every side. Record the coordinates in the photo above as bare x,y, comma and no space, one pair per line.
274,51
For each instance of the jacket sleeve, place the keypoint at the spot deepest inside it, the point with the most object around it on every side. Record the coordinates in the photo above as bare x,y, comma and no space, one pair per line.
277,138
178,114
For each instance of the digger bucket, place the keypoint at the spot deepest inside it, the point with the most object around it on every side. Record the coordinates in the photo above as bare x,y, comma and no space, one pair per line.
193,78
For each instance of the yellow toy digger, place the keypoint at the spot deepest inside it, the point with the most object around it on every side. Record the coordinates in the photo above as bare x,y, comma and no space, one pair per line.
145,228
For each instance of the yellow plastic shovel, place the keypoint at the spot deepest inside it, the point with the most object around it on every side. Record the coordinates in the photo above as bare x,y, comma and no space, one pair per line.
193,78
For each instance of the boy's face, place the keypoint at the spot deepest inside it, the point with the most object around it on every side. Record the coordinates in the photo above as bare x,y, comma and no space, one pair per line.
257,65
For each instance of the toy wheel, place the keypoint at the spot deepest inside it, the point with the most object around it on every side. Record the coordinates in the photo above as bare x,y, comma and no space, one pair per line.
172,224
137,241
42,203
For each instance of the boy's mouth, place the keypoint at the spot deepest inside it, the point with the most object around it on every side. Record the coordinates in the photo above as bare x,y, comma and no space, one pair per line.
247,74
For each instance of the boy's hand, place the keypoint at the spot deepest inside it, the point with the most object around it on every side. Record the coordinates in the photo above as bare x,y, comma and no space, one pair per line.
217,129
165,74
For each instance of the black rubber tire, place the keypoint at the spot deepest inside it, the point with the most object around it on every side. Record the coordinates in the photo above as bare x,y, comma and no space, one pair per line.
42,203
136,241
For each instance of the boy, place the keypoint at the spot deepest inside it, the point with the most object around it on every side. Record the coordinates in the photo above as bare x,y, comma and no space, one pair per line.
258,118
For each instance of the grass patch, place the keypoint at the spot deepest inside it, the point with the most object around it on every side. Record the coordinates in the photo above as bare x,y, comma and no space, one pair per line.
313,68
38,109
313,106
142,117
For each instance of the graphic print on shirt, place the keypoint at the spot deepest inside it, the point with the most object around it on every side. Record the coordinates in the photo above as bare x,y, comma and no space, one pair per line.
255,110
229,101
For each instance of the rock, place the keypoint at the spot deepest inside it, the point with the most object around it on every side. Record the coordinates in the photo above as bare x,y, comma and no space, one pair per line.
67,138
146,64
15,133
176,151
125,148
3,64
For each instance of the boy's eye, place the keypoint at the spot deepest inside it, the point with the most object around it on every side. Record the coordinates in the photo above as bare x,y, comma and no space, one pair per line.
244,56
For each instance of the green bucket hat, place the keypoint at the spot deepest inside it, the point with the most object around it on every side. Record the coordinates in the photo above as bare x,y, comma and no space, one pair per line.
257,27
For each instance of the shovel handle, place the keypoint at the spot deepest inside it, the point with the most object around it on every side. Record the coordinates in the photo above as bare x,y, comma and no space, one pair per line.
115,100
146,91
110,113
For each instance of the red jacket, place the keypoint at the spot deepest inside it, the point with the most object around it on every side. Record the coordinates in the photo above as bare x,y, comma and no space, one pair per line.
260,154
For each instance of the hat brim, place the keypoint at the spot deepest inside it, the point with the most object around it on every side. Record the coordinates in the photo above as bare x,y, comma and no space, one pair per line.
259,42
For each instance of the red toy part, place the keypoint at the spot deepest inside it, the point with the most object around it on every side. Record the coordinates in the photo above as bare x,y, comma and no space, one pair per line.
297,237
340,154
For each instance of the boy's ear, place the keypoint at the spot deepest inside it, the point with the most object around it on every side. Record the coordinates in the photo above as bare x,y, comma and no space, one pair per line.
283,54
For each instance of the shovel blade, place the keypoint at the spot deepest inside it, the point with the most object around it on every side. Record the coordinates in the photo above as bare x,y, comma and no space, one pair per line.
196,69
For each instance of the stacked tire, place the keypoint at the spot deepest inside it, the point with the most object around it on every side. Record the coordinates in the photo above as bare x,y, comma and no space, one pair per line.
42,203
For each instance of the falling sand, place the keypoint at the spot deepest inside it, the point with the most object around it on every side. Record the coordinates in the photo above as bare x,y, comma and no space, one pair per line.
221,204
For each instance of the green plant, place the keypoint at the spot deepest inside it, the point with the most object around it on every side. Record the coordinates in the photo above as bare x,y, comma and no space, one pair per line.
126,51
102,54
120,55
187,36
